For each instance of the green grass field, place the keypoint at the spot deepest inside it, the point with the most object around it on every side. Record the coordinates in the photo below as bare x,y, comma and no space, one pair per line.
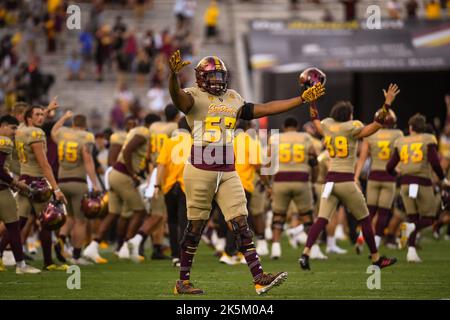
340,277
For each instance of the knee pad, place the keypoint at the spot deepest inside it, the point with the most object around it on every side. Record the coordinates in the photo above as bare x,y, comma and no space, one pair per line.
242,232
278,221
192,234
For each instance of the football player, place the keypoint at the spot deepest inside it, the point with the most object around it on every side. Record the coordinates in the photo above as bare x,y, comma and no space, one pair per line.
124,181
160,132
117,140
341,134
416,156
75,161
212,111
381,185
297,160
8,207
31,147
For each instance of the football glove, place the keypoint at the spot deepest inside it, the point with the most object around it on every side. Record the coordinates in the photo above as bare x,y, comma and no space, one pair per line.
176,63
313,93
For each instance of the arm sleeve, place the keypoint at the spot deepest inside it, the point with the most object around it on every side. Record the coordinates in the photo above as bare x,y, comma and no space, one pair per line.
393,161
4,175
433,159
247,111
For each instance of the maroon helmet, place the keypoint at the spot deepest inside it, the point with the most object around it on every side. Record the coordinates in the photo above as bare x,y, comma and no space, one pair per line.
40,191
390,120
91,204
310,77
54,215
104,205
212,75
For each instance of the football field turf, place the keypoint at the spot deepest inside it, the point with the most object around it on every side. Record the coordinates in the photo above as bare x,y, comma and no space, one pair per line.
339,277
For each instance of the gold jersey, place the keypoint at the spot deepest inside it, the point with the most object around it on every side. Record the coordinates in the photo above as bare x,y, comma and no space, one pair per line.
70,151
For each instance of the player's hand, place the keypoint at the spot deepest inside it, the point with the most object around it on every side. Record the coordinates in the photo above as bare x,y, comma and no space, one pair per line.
313,93
60,196
68,114
53,105
391,93
176,63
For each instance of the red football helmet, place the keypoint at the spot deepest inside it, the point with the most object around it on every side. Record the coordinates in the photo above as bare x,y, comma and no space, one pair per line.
91,205
310,77
54,215
391,119
40,191
212,75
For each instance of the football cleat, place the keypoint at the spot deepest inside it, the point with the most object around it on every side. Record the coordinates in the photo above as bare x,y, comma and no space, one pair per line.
8,258
304,262
412,255
229,260
104,245
335,249
240,258
124,252
55,267
384,262
267,281
406,230
186,287
316,253
91,253
262,249
27,269
133,247
359,246
176,262
276,251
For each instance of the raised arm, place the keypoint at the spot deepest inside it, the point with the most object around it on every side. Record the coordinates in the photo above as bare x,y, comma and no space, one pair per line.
181,99
59,124
377,124
53,105
280,106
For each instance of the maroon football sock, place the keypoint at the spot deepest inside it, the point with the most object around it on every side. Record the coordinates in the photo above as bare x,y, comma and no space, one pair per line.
421,224
382,221
120,241
14,240
251,257
315,231
372,211
5,239
413,218
189,246
46,242
366,226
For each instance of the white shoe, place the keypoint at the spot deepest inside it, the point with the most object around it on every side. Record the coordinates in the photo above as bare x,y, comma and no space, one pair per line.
335,249
214,238
339,233
176,262
133,248
268,233
293,242
220,244
27,269
412,255
91,253
124,252
262,249
80,261
276,251
301,238
406,230
240,258
229,260
316,254
293,232
8,258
